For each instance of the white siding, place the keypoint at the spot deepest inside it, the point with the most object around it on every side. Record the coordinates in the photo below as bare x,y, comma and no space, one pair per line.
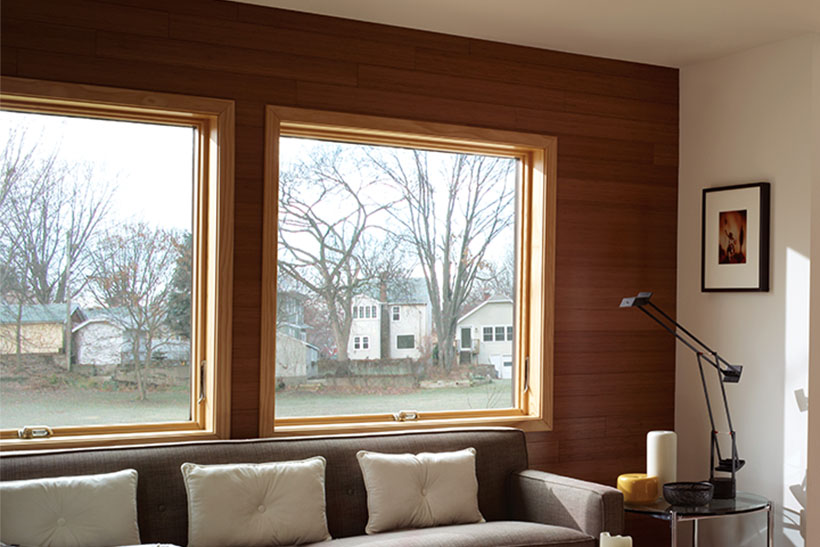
291,357
412,321
361,327
98,343
491,314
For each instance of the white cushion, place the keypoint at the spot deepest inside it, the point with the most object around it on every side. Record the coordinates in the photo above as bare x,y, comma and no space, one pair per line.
277,503
86,511
417,491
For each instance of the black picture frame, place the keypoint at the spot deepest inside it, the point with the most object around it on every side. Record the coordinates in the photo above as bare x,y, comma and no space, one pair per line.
735,231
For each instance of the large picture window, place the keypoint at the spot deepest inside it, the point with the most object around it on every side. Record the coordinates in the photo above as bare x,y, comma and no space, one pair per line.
115,221
454,226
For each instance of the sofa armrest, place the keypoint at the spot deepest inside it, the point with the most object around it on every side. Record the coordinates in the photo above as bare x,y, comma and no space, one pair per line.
591,508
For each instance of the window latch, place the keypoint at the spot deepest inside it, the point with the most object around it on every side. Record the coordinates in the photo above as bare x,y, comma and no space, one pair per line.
35,432
405,416
202,369
526,374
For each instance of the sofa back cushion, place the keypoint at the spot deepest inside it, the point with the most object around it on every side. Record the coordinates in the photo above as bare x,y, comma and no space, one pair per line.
162,503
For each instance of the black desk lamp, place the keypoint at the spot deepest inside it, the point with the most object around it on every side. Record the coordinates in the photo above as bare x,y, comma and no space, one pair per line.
724,486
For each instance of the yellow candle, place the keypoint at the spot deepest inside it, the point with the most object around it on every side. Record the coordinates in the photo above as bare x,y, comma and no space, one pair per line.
614,541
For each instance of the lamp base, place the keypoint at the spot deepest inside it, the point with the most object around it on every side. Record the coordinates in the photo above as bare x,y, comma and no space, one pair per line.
724,488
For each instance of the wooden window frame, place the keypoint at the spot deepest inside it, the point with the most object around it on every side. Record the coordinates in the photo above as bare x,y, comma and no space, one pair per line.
535,264
213,272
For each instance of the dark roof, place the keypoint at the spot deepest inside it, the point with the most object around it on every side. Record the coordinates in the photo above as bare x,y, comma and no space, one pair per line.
34,313
408,291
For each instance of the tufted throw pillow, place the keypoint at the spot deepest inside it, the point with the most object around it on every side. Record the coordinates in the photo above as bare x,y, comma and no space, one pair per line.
277,503
417,491
88,511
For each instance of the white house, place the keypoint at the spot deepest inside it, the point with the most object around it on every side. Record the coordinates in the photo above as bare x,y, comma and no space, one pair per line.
103,340
98,341
408,323
485,335
295,357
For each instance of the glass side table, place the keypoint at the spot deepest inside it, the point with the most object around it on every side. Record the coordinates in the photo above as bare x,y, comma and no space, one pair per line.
743,504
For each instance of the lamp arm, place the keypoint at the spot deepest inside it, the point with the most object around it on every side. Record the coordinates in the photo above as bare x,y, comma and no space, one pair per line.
677,335
710,355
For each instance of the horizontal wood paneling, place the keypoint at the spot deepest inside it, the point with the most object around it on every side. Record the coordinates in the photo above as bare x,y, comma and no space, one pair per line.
617,130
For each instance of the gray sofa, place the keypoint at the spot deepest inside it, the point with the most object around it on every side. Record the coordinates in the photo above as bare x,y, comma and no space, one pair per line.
522,507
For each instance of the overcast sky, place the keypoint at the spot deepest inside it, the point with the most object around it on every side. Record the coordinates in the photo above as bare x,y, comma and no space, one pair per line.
151,164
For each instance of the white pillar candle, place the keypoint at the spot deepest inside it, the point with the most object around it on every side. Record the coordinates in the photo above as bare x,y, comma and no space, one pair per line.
614,541
662,457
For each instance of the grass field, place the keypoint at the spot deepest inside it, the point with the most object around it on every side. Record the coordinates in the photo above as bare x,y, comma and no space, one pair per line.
86,406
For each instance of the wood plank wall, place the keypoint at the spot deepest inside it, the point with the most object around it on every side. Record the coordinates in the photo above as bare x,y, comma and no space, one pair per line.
617,124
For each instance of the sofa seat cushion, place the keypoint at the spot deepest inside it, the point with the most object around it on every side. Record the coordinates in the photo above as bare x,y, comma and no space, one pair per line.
487,534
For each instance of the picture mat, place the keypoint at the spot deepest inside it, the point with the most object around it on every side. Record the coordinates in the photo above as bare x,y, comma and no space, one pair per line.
732,276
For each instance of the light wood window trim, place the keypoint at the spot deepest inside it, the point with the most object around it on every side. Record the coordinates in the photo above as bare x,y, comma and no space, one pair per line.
534,303
213,220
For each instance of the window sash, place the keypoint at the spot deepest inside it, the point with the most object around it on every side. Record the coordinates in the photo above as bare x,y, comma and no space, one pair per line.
534,298
213,221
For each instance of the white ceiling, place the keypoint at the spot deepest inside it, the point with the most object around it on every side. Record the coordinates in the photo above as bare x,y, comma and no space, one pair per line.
662,32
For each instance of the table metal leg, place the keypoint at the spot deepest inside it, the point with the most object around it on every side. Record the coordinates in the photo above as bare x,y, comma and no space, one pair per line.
695,533
770,526
673,523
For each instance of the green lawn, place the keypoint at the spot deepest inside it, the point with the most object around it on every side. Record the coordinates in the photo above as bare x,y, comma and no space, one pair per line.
497,394
84,406
88,406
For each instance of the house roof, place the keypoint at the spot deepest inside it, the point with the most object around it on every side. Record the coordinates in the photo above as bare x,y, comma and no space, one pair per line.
408,291
115,316
494,299
34,313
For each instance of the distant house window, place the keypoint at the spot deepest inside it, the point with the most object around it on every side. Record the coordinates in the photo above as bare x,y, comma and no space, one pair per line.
509,333
499,334
488,334
365,342
405,341
507,363
373,312
367,312
396,313
355,312
356,343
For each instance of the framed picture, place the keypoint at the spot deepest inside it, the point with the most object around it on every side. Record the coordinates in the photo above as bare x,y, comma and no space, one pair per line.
735,238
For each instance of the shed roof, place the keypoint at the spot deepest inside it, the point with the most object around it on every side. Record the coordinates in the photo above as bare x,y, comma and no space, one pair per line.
34,313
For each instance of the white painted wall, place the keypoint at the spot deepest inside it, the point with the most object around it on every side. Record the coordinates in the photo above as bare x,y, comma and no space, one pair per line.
813,494
412,320
365,326
748,118
492,314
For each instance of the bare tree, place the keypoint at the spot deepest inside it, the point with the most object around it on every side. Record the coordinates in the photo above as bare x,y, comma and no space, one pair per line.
450,214
324,211
133,269
50,214
492,278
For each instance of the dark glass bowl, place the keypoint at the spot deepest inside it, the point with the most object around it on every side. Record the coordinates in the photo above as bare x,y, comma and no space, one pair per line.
688,494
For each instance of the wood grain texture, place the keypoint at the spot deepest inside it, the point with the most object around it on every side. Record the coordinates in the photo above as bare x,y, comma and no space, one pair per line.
617,130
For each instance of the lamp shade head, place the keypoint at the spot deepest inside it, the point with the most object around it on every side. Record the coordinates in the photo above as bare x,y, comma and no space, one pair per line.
636,301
